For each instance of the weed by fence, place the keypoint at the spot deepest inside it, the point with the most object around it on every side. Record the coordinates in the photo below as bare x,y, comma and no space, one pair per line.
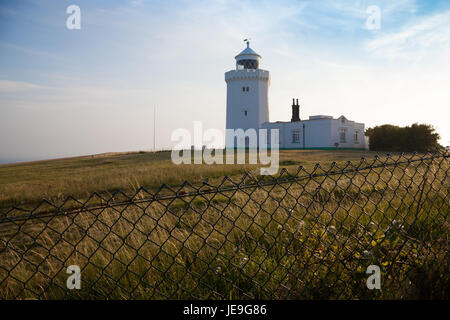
303,235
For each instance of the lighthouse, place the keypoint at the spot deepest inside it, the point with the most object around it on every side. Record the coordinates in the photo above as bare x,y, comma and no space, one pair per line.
248,108
247,92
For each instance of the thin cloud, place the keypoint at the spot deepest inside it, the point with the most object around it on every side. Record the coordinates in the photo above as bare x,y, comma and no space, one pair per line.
18,86
33,52
431,32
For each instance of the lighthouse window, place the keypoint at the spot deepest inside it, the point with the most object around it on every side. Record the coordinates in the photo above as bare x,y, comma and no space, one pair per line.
247,64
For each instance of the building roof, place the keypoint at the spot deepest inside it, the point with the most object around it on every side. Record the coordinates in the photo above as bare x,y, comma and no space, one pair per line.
248,52
320,116
312,118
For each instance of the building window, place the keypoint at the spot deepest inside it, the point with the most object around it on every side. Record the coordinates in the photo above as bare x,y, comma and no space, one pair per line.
342,137
296,136
245,89
356,136
245,112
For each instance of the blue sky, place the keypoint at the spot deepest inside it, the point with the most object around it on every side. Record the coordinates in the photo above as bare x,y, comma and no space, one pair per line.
73,92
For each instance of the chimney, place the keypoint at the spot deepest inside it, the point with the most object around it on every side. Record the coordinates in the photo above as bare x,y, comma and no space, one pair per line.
295,111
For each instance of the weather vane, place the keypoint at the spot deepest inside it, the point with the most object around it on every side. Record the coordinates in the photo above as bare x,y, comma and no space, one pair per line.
247,41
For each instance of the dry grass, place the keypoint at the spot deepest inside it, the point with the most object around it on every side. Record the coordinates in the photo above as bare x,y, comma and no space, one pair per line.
307,239
106,173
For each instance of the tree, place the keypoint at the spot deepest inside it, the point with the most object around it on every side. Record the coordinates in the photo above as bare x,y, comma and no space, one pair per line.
418,137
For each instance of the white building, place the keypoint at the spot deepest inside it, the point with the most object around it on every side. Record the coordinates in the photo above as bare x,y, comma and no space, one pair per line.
248,107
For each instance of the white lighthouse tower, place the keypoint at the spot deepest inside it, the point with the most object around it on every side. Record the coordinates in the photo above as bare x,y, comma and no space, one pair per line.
247,93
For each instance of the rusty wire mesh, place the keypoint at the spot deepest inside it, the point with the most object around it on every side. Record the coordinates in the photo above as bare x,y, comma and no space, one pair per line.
299,235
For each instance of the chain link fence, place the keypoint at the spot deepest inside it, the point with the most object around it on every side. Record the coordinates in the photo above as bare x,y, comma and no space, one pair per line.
309,234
